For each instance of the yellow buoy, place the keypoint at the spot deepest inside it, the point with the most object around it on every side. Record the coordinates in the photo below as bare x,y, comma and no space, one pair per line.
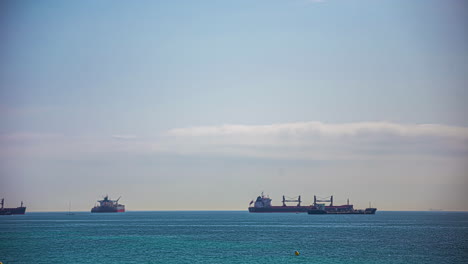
296,253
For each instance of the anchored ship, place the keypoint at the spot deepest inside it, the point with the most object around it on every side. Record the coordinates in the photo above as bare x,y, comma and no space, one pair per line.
320,208
108,206
12,211
263,205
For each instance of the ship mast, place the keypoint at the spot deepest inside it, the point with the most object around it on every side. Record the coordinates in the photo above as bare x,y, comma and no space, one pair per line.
322,200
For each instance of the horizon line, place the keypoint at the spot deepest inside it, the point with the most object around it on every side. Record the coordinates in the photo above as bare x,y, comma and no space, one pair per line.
201,210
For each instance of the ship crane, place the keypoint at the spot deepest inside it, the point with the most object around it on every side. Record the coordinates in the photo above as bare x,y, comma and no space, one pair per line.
323,200
292,200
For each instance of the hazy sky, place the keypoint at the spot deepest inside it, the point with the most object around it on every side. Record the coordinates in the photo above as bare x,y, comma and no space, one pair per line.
202,105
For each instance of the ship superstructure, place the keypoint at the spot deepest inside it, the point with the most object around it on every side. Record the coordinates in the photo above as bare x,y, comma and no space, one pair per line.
108,206
11,211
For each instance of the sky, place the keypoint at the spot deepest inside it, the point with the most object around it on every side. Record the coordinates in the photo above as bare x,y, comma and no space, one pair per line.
203,105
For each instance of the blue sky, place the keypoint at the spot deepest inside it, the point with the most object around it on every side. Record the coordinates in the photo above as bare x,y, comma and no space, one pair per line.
190,99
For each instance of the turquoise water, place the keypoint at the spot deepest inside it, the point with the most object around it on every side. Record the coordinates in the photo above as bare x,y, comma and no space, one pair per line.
234,237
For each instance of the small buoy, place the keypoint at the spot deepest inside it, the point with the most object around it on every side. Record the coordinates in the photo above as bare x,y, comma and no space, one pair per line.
296,253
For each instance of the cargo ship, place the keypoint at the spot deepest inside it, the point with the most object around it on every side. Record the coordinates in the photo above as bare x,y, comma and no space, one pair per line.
263,205
320,208
108,206
12,211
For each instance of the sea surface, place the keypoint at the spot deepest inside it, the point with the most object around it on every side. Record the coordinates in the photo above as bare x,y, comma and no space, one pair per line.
234,237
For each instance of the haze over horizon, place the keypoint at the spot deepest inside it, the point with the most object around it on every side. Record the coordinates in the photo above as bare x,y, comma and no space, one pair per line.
202,105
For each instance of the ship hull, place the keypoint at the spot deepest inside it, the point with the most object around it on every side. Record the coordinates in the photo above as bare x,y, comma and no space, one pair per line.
316,211
279,209
319,211
108,209
13,211
370,210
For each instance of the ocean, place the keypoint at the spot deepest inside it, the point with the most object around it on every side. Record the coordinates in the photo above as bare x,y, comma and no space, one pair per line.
234,237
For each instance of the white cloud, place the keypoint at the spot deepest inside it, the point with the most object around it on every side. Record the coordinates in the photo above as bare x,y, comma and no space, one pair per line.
27,136
318,140
43,145
305,140
124,137
322,129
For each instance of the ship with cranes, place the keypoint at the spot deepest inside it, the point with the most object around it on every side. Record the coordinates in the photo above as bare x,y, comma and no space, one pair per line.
263,205
319,207
108,206
12,211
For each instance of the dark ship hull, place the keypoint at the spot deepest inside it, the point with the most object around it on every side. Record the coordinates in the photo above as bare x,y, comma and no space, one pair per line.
13,211
279,209
108,209
320,211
